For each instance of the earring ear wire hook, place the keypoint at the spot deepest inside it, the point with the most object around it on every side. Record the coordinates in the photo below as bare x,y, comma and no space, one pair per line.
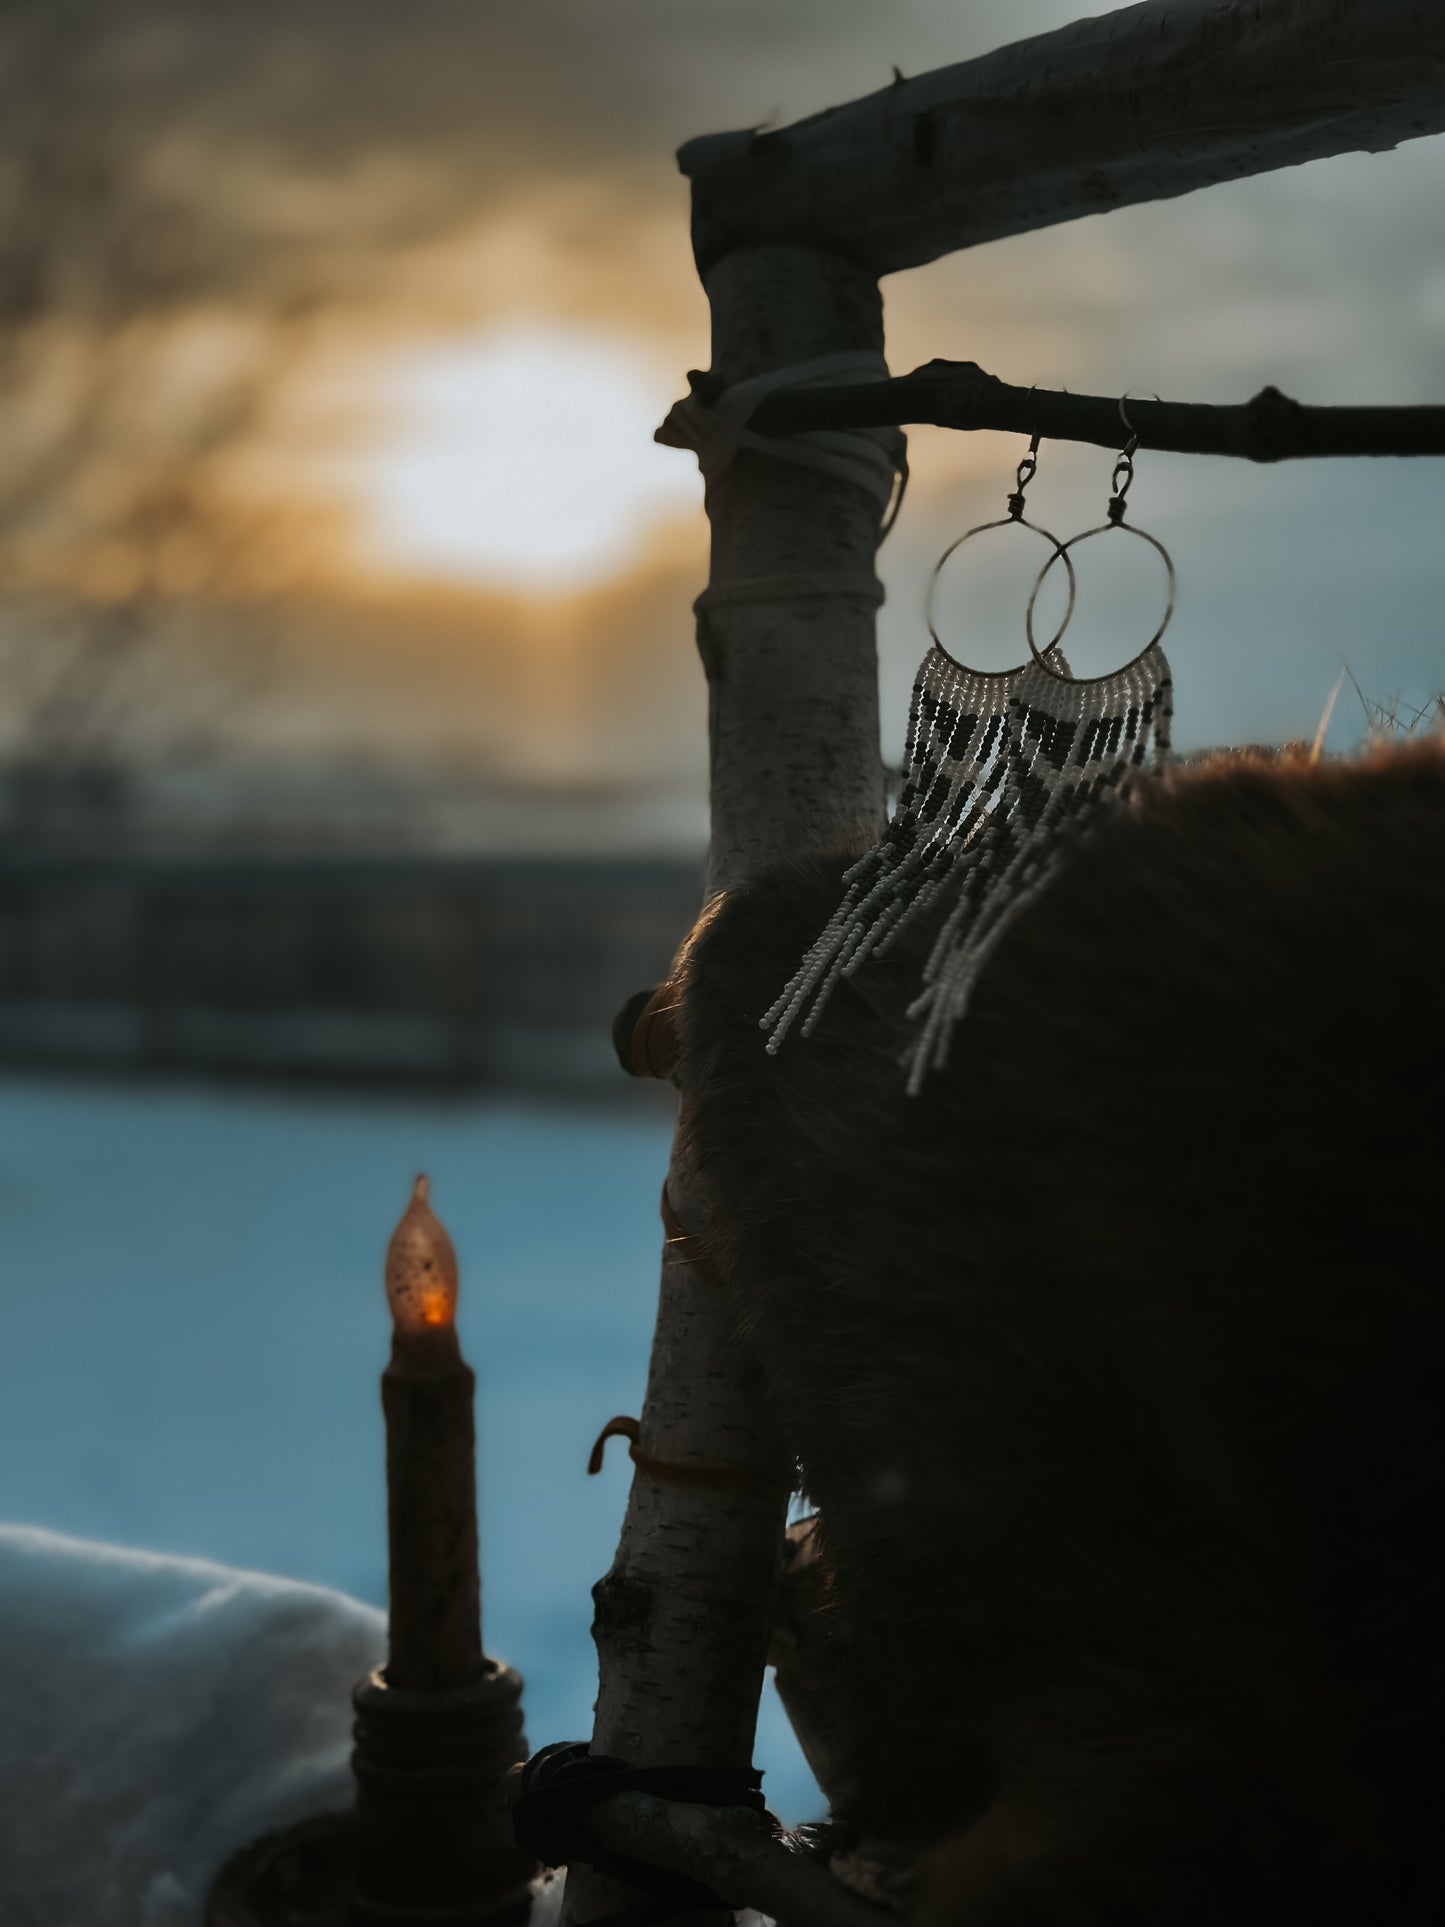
1027,469
1123,466
1129,429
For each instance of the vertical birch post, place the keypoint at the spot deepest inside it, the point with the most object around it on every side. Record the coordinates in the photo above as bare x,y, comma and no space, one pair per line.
786,634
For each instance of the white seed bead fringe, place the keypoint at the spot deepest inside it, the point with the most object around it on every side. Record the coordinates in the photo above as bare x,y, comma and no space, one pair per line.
999,772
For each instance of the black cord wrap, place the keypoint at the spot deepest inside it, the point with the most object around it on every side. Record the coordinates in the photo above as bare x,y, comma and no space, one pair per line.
560,1783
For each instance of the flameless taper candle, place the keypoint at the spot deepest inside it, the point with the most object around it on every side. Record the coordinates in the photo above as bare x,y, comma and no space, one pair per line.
426,1395
437,1728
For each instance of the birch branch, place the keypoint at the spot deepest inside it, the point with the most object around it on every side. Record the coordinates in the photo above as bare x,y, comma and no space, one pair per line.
1143,104
738,1854
684,1616
959,394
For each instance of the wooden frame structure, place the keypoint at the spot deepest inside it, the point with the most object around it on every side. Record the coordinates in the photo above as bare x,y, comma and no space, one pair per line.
792,229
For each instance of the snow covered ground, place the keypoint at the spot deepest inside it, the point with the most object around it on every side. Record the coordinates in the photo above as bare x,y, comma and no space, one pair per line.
158,1712
192,1326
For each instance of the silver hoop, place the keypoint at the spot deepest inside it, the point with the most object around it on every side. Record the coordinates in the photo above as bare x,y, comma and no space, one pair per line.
1063,550
1060,549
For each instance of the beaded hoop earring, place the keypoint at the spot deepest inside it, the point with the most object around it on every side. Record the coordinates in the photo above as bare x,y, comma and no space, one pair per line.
1074,742
955,767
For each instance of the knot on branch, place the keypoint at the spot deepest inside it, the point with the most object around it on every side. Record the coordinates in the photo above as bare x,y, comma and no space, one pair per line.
1269,426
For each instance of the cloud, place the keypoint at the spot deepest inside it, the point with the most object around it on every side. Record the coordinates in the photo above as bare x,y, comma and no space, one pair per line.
421,172
271,146
369,155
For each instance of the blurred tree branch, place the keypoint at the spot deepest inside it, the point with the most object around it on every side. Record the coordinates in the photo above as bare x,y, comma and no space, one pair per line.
127,541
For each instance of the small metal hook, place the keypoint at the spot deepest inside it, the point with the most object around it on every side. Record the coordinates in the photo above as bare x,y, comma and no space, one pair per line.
1027,467
1123,465
1130,430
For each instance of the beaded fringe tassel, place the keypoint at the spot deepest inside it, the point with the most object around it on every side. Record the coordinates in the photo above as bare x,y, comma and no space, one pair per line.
1000,771
953,768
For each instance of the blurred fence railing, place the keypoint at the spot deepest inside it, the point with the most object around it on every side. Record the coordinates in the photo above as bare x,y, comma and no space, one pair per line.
462,972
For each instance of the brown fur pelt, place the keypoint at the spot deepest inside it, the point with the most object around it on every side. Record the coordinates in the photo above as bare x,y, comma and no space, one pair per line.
1114,1360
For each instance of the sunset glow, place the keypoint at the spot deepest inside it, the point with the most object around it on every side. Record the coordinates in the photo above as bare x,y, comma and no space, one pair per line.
524,458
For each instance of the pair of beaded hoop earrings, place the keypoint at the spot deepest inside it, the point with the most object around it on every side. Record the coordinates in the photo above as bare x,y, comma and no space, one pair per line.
1001,769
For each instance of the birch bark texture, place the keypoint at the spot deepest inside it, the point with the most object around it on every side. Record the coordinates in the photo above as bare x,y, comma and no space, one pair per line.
683,1617
792,670
735,1853
1141,104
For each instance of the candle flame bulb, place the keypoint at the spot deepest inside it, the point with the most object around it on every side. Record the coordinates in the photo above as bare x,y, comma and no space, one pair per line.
421,1271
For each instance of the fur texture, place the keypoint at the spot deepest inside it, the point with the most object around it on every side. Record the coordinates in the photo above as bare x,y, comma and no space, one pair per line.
1113,1361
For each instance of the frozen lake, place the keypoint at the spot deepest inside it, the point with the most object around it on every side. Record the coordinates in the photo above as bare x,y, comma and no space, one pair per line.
192,1326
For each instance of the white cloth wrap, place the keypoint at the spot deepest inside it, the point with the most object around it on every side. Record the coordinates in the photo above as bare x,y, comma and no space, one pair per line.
870,458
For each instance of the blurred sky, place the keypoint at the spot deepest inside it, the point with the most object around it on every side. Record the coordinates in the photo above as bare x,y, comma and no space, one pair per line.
332,338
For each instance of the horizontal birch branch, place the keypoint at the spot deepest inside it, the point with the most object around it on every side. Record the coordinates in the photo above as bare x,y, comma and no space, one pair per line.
960,394
1140,105
737,1853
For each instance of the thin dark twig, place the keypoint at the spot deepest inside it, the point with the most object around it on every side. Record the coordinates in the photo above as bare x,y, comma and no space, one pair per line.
960,394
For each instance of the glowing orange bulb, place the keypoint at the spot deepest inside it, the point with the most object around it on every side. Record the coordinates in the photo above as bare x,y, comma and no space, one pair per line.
421,1270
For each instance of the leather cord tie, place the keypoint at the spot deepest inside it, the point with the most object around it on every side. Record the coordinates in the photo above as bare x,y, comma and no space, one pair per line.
652,1047
558,1785
718,1478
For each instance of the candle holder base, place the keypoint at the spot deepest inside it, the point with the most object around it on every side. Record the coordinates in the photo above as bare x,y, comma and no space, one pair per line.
430,1843
434,1841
